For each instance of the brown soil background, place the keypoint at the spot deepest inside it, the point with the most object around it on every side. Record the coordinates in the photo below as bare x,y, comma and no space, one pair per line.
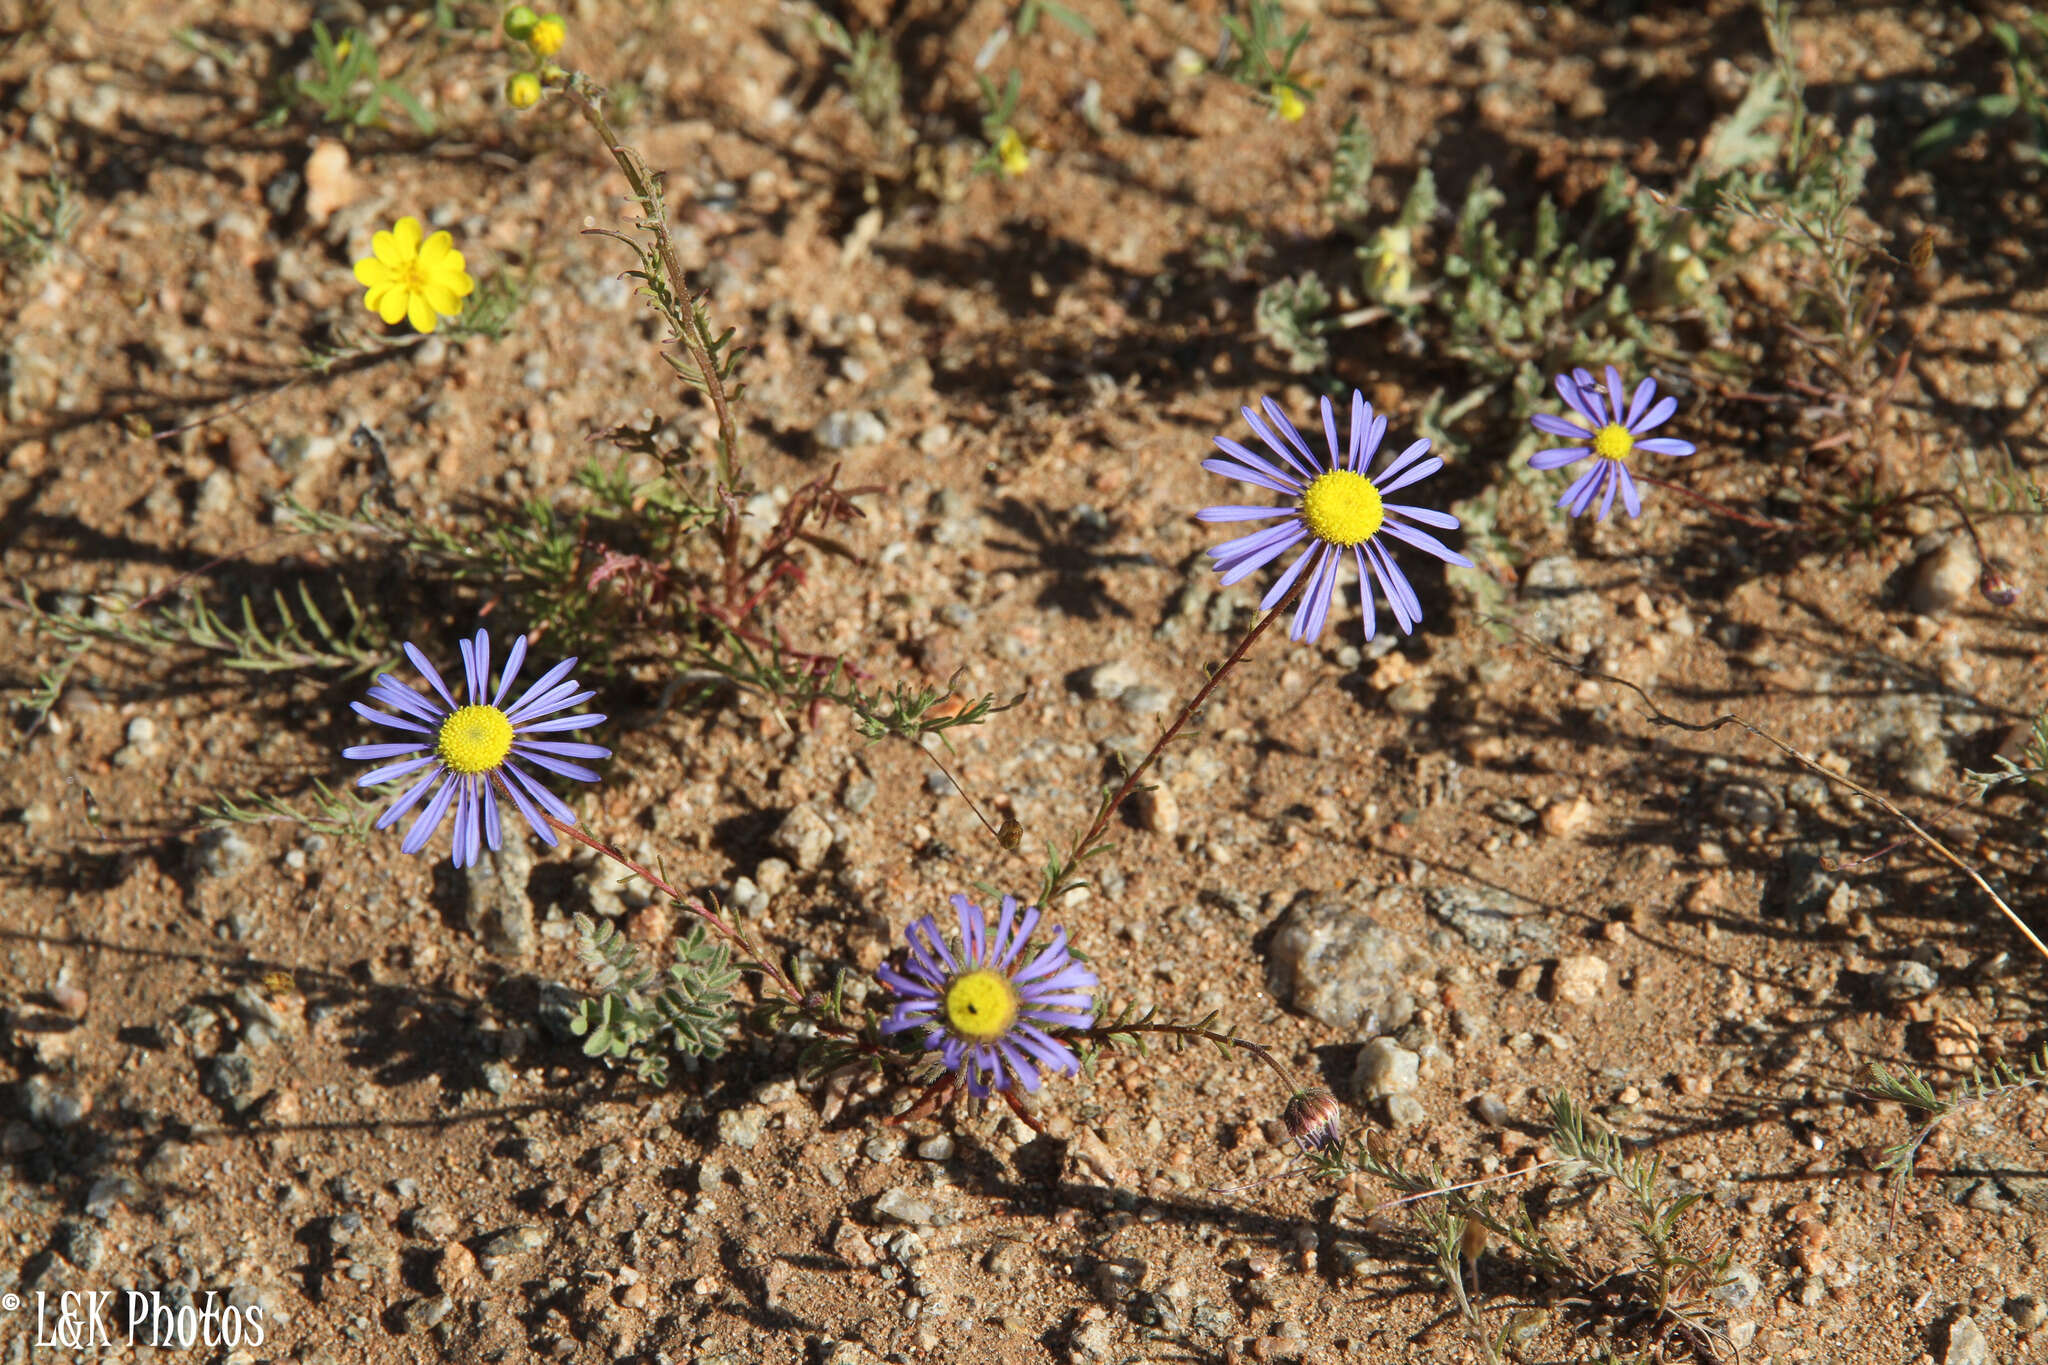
1031,346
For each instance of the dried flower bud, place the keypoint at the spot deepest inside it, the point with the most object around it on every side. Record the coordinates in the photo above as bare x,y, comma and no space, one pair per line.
1313,1118
1996,585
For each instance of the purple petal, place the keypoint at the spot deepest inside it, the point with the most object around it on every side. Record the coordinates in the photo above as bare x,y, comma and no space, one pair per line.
558,766
560,697
391,770
1251,561
1285,582
1614,392
430,818
1666,445
1276,475
1428,516
1558,426
1584,401
404,803
1306,471
429,672
1645,391
1286,427
476,665
376,751
1314,611
1620,472
379,718
492,835
1365,606
1361,420
1394,585
1330,432
539,826
1576,498
542,684
1424,541
1559,458
1656,417
1628,491
1026,926
585,721
546,799
400,698
1400,462
973,931
516,657
1414,475
1237,513
564,750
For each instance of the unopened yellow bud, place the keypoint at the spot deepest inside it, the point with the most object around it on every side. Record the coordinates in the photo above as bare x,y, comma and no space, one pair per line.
522,90
519,22
548,35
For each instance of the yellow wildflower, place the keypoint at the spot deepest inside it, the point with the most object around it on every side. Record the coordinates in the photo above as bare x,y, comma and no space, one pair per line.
548,35
1287,102
522,90
1011,153
411,279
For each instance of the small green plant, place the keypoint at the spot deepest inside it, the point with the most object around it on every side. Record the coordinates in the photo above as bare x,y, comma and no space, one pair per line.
1261,57
27,238
1909,1088
2026,53
339,814
874,79
348,85
638,1017
1657,1292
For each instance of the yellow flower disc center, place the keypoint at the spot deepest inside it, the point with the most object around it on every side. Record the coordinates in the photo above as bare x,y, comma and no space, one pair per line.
981,1005
474,740
1613,442
1342,508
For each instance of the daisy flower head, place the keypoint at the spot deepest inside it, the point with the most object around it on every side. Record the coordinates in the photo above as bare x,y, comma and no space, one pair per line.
1609,428
981,1011
413,279
468,749
1335,504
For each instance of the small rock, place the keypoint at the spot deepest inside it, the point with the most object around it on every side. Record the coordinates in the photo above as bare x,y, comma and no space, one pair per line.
169,1161
423,1314
1738,1290
330,184
456,1268
858,794
938,1147
900,1206
1561,818
2027,1311
1092,1340
70,999
1156,809
1966,1343
82,1244
1107,682
49,1105
1942,580
1405,1111
1909,980
497,906
804,836
1490,1109
515,1241
1144,699
433,1223
108,1193
231,1080
216,498
222,853
742,1127
1334,962
1385,1068
1579,979
772,876
847,429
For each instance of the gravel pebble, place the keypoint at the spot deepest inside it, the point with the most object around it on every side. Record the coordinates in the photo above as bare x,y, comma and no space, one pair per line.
804,836
1385,1068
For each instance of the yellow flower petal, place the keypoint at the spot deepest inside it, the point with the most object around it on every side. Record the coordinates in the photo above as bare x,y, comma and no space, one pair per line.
392,306
435,247
407,230
421,314
384,246
372,272
442,299
457,280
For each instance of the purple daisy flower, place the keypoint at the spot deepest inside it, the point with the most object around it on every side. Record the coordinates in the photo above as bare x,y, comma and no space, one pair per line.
1337,506
473,747
985,1017
1610,434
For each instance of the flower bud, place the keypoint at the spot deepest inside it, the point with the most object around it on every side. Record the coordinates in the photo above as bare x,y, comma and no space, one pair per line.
548,35
1313,1118
1996,585
519,22
522,90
